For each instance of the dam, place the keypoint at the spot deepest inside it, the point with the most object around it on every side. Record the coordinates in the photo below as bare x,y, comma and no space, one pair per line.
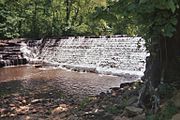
116,55
79,65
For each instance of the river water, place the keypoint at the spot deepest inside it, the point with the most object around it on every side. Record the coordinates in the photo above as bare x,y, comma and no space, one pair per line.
74,83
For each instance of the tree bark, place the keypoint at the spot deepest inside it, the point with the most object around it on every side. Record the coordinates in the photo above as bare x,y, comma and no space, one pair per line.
161,68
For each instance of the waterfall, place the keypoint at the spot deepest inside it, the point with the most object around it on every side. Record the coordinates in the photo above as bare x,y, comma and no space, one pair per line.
115,55
30,53
27,53
10,54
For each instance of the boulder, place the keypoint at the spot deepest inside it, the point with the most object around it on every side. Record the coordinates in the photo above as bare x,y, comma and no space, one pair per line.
140,117
2,64
176,117
126,85
176,99
133,111
121,118
36,101
60,109
132,100
38,66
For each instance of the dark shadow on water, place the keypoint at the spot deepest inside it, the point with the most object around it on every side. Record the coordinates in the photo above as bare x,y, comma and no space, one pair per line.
10,87
22,98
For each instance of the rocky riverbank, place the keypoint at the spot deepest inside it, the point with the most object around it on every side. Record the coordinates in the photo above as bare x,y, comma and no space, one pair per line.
45,102
18,101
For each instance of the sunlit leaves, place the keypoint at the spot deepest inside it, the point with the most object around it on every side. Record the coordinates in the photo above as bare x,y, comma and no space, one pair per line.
8,21
39,18
143,1
171,5
48,17
101,2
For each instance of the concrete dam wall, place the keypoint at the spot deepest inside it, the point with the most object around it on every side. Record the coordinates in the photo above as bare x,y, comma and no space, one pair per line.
115,55
10,54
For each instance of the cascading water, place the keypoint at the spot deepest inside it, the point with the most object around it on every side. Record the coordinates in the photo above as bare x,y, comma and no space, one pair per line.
116,55
27,52
10,53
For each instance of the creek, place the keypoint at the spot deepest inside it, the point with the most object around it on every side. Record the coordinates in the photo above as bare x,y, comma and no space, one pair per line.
76,65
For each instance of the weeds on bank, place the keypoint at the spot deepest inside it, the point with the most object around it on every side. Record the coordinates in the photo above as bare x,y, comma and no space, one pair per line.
166,91
112,109
2,93
165,114
84,103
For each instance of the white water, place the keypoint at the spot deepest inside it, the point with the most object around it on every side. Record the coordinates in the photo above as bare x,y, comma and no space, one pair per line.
114,56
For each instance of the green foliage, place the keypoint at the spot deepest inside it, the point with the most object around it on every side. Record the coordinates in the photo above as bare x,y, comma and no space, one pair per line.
165,114
168,112
161,15
8,22
148,18
41,18
84,103
166,90
112,109
46,18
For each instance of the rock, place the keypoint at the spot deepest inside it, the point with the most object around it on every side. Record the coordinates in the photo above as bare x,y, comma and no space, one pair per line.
115,91
24,101
60,109
139,117
13,115
124,86
72,117
3,44
13,108
176,100
121,118
36,101
107,116
132,100
2,63
27,118
176,117
34,111
88,113
4,111
22,110
102,95
12,105
64,114
133,111
38,66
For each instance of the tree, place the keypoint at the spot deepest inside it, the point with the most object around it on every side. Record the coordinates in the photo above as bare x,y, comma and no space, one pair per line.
8,20
46,18
158,21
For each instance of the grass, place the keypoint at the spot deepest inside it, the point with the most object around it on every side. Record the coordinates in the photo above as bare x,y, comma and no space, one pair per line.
84,103
113,109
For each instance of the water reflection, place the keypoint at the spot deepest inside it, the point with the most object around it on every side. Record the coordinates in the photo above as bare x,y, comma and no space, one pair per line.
73,82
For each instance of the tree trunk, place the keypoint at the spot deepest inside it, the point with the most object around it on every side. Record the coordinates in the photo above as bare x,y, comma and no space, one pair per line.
161,68
173,54
68,10
34,21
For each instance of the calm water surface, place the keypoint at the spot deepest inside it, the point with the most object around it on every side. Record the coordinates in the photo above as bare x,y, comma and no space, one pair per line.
73,82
